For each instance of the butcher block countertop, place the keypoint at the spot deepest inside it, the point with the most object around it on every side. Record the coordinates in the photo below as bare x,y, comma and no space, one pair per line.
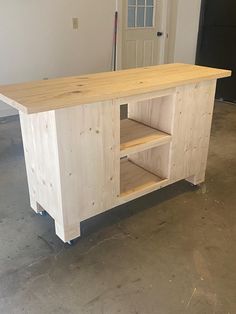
40,96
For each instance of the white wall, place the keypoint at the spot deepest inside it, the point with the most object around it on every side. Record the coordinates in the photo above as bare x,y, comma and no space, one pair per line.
186,32
38,41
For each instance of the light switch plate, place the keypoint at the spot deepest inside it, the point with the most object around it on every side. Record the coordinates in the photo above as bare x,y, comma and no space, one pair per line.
75,22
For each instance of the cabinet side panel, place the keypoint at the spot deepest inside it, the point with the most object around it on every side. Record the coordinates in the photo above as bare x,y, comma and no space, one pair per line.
89,144
191,130
40,147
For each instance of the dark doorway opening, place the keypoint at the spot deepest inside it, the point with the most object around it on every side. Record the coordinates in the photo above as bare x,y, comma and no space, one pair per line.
217,42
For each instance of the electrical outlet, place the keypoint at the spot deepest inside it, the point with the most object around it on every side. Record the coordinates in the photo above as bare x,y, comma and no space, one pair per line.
75,22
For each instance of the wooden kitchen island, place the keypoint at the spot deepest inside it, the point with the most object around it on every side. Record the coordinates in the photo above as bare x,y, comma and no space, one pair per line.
82,160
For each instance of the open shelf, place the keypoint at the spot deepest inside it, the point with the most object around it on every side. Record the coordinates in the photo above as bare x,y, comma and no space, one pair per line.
136,137
135,179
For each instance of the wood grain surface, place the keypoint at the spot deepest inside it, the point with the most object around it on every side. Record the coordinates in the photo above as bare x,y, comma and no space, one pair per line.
40,96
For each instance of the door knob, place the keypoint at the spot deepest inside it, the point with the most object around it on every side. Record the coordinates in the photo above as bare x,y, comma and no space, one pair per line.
159,34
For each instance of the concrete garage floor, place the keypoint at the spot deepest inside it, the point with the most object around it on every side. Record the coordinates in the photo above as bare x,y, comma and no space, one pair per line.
171,252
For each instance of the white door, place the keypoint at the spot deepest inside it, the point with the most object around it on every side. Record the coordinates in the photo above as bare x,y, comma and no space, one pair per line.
143,32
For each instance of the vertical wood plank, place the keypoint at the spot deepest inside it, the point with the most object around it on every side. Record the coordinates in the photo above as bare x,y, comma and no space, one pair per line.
89,147
29,152
191,134
42,162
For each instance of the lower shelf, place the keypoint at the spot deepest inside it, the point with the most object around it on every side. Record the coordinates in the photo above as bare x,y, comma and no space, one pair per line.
135,179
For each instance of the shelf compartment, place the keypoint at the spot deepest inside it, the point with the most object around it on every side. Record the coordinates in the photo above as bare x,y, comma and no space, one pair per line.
136,181
136,137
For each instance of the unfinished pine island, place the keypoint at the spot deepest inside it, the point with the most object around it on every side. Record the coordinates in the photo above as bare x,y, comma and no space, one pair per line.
82,160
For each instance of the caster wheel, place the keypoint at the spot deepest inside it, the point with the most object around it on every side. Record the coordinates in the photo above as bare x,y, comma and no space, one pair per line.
196,186
72,242
43,213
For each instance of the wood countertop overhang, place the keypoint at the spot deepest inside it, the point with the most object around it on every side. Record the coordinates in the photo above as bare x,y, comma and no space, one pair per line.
46,95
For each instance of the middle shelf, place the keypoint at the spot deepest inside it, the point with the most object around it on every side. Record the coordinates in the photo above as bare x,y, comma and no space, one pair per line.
136,137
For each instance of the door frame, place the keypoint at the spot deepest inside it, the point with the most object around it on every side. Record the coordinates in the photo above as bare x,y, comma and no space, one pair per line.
200,30
166,24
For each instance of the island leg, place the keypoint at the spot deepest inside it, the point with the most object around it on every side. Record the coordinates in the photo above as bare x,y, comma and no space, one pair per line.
67,232
47,192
